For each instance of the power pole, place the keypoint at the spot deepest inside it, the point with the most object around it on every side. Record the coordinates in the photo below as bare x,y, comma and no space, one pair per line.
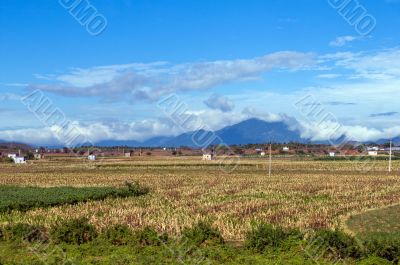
270,160
390,157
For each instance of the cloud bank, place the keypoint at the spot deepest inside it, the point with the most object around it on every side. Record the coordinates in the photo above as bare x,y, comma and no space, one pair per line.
153,80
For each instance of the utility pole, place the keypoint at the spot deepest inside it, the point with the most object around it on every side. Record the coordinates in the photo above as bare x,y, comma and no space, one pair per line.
390,157
270,160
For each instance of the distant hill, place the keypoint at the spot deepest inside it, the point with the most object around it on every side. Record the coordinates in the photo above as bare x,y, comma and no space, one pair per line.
250,131
255,131
13,146
396,141
110,143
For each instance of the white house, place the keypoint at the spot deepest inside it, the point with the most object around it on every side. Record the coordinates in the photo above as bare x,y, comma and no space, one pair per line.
127,154
285,149
374,148
262,154
372,153
92,157
332,154
207,157
19,160
38,156
12,156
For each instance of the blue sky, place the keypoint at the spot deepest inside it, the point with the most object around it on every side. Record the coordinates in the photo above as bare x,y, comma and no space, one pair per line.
226,60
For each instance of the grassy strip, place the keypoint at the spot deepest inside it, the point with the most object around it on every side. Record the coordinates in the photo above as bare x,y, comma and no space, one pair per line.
26,198
77,242
382,223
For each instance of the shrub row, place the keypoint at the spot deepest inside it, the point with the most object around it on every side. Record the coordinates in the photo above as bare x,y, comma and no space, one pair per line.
261,238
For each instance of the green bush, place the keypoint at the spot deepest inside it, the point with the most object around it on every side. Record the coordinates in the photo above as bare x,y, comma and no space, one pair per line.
119,235
77,231
202,233
387,248
342,243
150,237
135,189
374,261
26,198
6,160
263,236
24,232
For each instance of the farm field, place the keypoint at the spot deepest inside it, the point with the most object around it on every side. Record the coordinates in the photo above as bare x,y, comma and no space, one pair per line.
383,222
185,191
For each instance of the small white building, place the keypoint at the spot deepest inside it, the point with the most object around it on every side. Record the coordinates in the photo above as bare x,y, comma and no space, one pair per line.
19,160
38,156
285,149
128,155
207,157
332,154
372,153
92,157
262,154
374,148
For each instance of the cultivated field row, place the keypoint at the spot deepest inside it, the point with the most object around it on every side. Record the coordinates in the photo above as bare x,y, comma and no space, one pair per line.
304,194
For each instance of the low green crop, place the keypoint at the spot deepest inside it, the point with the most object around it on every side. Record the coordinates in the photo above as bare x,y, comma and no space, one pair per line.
26,198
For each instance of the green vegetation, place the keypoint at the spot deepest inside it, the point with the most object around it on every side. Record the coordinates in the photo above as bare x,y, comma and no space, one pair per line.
381,222
77,242
264,236
76,231
202,233
26,198
6,160
380,230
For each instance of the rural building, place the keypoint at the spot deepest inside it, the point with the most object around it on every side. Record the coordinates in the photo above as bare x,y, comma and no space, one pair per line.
12,156
285,149
19,160
92,157
372,153
207,157
128,155
332,154
394,148
375,148
38,156
262,153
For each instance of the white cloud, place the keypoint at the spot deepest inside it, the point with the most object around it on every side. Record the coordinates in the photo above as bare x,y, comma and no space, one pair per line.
382,65
209,120
151,81
9,97
342,41
219,102
329,76
331,131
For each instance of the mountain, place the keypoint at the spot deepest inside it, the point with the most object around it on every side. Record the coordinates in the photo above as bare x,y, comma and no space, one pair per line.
110,143
252,131
396,141
14,145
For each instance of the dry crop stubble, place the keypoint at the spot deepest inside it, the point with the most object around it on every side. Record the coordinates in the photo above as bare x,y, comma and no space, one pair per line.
304,194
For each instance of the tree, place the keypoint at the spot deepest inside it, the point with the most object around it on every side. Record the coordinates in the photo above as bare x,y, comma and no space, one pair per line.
30,155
